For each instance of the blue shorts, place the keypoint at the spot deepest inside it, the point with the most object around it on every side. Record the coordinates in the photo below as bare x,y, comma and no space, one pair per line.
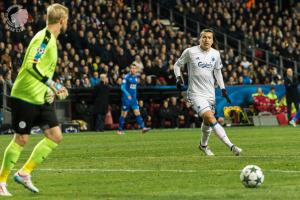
127,104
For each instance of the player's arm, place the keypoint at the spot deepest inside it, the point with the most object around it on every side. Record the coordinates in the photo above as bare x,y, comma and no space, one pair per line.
219,77
36,71
34,67
123,89
177,66
54,88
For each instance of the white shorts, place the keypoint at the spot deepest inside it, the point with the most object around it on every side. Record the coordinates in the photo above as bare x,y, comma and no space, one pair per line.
201,105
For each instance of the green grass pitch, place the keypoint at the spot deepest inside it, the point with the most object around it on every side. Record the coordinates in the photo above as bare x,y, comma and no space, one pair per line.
164,164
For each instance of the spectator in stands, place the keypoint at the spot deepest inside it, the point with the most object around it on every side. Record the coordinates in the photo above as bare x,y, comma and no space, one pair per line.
245,63
259,92
86,82
68,84
144,112
139,64
123,38
264,25
89,48
165,114
231,81
292,95
94,80
274,101
186,115
101,100
246,78
78,84
176,111
272,96
275,77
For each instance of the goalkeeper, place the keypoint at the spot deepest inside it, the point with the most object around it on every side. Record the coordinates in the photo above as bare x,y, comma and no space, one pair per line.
32,99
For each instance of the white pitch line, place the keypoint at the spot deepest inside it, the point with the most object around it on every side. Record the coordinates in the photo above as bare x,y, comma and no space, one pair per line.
119,170
157,170
193,156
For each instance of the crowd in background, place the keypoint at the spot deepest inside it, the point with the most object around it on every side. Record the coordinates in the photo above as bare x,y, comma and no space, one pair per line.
105,37
262,24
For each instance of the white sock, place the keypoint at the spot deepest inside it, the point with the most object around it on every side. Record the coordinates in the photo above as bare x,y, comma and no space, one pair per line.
206,131
220,132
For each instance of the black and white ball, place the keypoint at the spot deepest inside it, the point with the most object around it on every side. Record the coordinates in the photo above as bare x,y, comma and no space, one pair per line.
252,176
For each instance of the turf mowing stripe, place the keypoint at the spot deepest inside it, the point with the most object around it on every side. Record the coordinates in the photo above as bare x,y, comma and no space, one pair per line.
212,157
159,170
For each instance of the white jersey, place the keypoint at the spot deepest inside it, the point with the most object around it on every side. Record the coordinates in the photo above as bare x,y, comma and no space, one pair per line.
202,65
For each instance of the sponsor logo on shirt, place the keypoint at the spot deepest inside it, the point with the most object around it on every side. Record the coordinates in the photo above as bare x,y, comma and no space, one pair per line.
205,65
133,86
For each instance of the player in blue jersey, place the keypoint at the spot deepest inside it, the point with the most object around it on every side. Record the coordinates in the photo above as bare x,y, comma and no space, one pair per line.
129,100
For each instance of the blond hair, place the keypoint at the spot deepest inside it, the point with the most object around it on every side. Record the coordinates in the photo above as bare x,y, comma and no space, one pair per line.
103,77
56,12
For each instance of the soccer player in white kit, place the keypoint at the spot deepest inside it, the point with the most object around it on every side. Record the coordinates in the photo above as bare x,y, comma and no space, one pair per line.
204,66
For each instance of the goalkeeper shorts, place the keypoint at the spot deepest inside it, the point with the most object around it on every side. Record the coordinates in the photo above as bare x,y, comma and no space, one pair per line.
26,115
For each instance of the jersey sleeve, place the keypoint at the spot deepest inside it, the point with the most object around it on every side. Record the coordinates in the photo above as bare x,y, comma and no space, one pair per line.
181,62
37,51
218,64
219,78
123,87
183,59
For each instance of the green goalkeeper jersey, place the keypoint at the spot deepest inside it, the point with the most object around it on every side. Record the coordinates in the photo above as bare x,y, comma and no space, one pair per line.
39,62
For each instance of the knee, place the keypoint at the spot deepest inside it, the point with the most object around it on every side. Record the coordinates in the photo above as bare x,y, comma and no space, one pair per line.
210,119
55,138
21,140
54,134
206,128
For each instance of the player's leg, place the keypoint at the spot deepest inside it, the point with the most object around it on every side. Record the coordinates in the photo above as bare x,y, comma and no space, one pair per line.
40,152
122,120
140,121
23,115
139,118
53,136
199,105
294,119
205,133
124,111
209,118
10,158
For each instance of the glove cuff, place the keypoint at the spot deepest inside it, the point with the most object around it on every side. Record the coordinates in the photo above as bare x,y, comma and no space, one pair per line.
53,85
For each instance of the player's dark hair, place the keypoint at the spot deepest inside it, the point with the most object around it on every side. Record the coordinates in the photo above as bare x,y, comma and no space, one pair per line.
215,42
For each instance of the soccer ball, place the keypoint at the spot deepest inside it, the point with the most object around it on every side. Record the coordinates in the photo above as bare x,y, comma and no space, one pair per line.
252,176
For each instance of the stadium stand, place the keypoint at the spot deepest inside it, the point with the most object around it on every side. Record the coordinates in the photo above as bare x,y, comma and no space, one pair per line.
107,36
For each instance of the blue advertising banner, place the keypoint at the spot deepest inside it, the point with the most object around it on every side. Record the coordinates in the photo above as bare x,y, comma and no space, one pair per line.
242,95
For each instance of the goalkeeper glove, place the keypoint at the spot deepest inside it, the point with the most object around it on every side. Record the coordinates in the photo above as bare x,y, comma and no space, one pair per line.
60,91
55,87
49,96
62,94
224,94
179,83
